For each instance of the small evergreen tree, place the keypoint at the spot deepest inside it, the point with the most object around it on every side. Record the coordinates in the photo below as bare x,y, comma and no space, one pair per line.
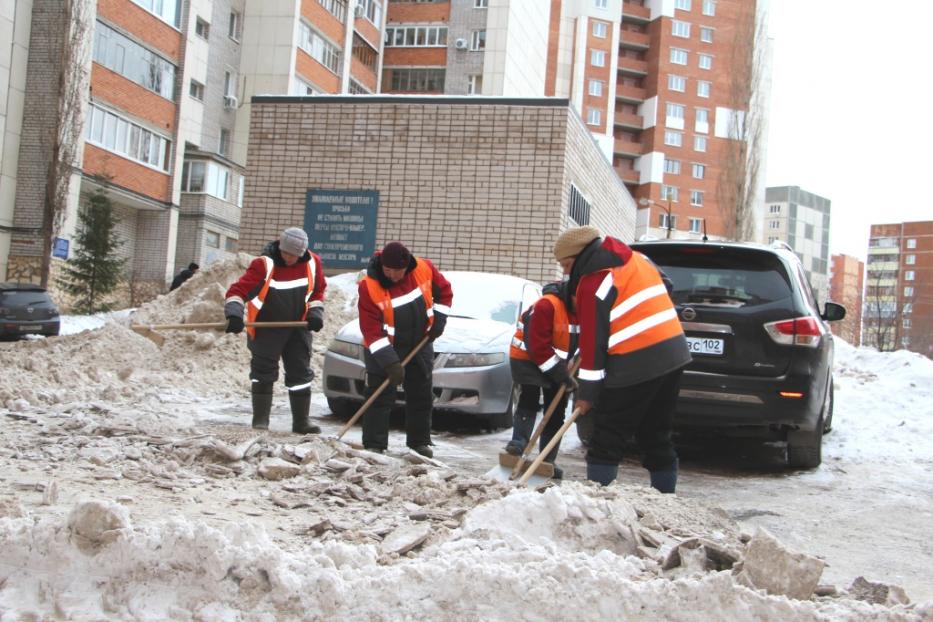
95,270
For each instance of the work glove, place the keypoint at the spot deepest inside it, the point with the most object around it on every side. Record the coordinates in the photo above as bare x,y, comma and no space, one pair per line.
435,331
315,323
234,324
396,373
559,374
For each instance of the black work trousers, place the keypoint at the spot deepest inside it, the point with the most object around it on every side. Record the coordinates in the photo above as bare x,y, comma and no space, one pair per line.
528,402
419,402
290,345
647,409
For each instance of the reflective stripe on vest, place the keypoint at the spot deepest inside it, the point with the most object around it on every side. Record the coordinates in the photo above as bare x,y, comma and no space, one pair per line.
380,296
254,305
560,336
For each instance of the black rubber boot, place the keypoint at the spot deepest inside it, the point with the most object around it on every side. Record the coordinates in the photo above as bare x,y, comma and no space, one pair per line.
262,405
666,480
300,401
522,427
604,474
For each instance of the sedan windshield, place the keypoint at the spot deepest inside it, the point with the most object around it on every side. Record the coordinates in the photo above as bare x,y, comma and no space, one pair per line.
484,297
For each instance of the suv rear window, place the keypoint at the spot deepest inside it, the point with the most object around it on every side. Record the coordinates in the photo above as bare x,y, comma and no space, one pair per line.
24,298
730,277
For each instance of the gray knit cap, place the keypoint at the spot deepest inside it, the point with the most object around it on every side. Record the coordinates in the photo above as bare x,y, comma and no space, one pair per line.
293,241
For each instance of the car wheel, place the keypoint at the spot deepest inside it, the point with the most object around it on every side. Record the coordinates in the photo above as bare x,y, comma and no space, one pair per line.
342,408
828,414
805,449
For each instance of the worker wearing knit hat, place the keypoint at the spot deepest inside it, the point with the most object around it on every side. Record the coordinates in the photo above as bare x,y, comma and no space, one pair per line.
571,243
395,256
293,241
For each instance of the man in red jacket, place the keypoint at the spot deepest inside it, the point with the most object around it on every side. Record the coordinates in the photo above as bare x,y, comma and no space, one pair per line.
632,353
286,283
401,299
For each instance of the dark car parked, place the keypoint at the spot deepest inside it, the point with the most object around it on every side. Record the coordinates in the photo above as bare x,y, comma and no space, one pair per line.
762,351
26,309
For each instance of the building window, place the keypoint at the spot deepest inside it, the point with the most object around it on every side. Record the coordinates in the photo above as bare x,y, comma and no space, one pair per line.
196,90
667,222
908,292
910,260
678,56
229,83
364,52
699,143
597,58
908,308
578,207
680,29
905,322
675,116
672,167
909,275
696,225
670,193
224,147
416,36
233,27
230,245
114,133
371,10
212,239
318,48
706,34
774,209
683,5
701,124
204,176
696,198
600,30
596,88
475,84
699,171
709,7
676,83
600,4
593,116
202,28
478,40
416,80
674,139
480,4
166,10
911,243
355,88
706,61
337,8
703,88
124,56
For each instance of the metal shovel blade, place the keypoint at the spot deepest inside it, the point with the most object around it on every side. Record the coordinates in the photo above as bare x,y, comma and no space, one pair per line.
503,472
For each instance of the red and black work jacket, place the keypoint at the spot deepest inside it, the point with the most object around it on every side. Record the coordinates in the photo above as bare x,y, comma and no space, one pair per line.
629,330
395,316
272,291
545,338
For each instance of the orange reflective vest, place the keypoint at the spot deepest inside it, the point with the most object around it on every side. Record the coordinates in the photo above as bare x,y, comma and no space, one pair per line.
254,304
380,296
560,332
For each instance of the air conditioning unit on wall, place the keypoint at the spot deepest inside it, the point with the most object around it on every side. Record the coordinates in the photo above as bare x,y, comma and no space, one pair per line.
461,44
231,102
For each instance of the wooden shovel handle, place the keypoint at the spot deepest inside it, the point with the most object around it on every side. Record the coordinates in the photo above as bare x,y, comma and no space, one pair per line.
216,325
574,366
380,389
551,445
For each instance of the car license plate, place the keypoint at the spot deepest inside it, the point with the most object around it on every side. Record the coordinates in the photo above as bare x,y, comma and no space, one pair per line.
705,345
26,327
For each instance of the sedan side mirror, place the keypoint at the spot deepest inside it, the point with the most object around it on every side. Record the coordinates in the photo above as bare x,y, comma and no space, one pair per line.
833,312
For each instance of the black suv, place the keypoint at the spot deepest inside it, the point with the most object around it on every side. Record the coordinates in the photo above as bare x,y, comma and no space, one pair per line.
26,309
762,351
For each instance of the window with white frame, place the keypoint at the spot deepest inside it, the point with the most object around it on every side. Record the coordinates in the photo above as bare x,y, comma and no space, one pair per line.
478,40
122,55
337,8
908,292
696,198
706,34
699,171
196,90
416,36
233,26
596,88
475,84
356,88
670,193
204,176
699,143
905,322
696,225
166,10
706,61
775,224
202,28
774,209
910,260
372,10
709,7
683,5
675,111
223,147
703,88
600,29
680,29
480,4
417,79
667,222
578,207
701,124
676,83
909,275
230,81
230,244
908,308
593,116
600,4
211,239
319,48
112,132
674,139
679,56
911,243
597,58
672,166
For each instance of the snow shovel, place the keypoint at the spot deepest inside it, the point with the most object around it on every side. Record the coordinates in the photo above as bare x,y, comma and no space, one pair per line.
531,471
372,398
511,466
149,330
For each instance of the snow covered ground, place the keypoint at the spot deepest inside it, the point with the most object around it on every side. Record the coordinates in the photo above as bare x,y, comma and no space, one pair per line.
132,488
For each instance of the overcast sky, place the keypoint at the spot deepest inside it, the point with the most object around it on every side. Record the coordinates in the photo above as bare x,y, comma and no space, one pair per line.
850,110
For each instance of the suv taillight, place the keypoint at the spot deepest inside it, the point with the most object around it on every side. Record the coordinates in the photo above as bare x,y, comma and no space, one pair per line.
801,331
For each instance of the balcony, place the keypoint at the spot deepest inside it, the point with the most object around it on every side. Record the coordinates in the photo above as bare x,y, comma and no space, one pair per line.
633,94
633,66
636,40
629,121
629,176
628,148
635,13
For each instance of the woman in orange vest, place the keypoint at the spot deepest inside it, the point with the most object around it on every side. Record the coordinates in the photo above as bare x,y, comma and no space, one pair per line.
401,299
544,340
632,353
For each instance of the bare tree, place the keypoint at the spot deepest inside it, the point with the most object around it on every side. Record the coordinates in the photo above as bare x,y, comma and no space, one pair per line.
880,312
740,173
65,128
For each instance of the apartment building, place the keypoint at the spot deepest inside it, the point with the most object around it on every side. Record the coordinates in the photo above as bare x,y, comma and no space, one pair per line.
802,220
898,309
846,282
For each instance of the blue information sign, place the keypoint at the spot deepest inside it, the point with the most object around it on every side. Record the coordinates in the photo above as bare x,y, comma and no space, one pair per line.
60,248
341,225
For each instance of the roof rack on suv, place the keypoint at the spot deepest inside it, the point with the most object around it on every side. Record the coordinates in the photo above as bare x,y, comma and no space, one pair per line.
782,244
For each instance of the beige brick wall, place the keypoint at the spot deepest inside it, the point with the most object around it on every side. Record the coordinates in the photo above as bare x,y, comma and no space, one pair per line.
471,184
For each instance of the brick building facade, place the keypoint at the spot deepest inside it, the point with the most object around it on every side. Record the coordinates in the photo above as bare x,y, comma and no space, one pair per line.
846,282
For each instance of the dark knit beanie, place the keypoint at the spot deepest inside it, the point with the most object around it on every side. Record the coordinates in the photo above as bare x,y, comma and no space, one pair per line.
395,256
